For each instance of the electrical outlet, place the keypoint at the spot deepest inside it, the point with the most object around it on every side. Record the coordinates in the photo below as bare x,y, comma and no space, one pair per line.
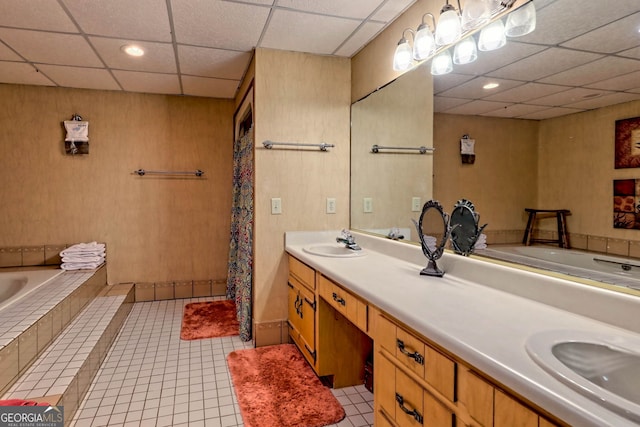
331,205
416,204
276,206
368,205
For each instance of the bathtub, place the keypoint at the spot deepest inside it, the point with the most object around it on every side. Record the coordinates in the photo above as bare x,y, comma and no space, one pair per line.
604,268
15,285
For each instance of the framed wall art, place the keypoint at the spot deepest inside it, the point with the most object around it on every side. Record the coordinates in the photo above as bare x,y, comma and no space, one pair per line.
627,143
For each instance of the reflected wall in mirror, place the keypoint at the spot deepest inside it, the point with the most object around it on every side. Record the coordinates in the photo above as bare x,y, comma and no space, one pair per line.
544,137
391,181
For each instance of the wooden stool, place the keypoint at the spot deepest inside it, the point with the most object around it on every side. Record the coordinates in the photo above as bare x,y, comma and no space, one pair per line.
560,214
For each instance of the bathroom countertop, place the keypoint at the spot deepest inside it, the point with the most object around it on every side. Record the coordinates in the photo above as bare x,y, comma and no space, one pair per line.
483,313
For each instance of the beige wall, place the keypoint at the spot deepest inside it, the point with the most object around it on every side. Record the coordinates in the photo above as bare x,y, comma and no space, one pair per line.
576,169
156,229
298,98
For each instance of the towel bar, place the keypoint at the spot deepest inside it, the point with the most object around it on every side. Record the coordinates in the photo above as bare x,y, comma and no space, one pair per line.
142,172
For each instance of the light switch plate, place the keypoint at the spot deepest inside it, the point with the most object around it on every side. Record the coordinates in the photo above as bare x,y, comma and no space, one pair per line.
331,205
276,206
416,204
368,205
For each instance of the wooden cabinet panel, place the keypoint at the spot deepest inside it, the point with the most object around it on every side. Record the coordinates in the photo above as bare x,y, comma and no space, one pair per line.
303,272
347,304
410,351
409,401
440,372
302,318
511,413
384,385
385,333
476,395
435,414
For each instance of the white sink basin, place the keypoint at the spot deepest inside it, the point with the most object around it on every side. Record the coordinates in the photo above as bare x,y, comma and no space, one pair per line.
605,368
333,250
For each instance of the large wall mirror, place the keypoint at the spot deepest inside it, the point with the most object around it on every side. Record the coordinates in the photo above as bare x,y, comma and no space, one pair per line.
583,55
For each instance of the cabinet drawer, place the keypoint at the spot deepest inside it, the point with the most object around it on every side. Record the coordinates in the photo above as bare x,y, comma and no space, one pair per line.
303,272
425,361
344,302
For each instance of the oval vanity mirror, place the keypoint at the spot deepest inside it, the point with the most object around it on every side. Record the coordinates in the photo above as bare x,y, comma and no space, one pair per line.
464,227
433,225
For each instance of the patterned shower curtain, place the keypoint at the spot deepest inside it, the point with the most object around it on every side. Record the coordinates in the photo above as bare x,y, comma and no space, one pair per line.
240,267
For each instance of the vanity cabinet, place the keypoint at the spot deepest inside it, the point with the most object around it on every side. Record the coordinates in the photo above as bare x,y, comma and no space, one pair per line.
416,384
328,324
302,308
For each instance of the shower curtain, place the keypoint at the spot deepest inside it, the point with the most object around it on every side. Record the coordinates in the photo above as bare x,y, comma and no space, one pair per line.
240,266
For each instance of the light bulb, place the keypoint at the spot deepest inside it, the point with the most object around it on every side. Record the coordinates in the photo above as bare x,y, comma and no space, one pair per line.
402,56
448,29
441,64
492,36
424,44
474,14
465,51
521,21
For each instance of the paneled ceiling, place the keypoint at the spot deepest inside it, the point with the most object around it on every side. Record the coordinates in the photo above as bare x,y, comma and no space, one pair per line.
584,54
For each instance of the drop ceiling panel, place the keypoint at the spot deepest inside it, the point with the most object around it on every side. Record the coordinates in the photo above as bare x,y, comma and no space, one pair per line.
473,89
7,54
44,15
215,88
157,58
593,71
298,31
51,48
392,8
550,113
85,78
366,32
442,103
569,96
350,9
614,37
133,81
545,63
515,110
631,53
526,92
23,74
477,107
621,83
206,62
218,24
448,81
604,100
138,20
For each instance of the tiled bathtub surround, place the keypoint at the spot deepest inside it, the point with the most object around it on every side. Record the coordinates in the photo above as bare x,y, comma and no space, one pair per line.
28,326
158,291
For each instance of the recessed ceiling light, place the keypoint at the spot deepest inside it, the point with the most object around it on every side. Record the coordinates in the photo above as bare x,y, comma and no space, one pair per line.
491,86
133,50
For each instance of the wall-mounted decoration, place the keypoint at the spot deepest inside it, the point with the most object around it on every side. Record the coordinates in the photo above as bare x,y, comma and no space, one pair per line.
467,150
626,203
628,143
77,138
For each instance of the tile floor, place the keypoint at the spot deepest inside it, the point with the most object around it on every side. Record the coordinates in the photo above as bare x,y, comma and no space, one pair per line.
152,378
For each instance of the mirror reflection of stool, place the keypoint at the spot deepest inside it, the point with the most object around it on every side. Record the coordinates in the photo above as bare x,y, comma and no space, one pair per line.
560,214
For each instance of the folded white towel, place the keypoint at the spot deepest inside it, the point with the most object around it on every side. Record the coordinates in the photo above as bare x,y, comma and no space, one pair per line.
83,258
92,248
80,265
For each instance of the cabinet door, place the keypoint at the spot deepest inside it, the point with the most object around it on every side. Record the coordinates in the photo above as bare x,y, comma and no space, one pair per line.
436,414
293,307
510,413
409,401
307,315
476,395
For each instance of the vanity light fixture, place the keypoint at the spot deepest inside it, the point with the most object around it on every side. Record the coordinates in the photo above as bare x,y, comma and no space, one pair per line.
402,58
132,50
449,28
441,64
454,24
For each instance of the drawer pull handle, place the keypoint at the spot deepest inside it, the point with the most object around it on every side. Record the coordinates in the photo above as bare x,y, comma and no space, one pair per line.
415,355
412,412
339,300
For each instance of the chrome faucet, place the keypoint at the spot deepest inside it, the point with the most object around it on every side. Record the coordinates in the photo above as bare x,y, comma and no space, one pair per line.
349,241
